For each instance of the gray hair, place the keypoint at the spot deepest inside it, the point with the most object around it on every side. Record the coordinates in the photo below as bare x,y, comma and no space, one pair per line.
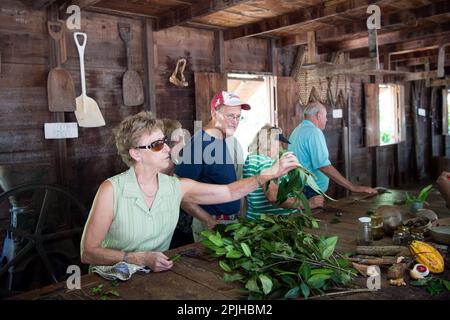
312,108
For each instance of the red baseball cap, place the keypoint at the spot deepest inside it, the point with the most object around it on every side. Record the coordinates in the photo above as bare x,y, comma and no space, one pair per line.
227,99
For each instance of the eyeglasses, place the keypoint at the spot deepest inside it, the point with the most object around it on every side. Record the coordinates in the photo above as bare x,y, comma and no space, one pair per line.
155,146
230,117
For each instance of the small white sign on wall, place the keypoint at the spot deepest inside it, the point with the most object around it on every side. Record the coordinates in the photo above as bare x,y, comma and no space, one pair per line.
337,113
61,130
422,112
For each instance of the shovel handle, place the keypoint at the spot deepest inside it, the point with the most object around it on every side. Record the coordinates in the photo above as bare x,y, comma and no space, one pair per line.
81,47
124,31
56,35
125,35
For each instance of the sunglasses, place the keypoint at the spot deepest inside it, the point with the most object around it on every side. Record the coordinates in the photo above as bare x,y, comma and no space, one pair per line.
155,146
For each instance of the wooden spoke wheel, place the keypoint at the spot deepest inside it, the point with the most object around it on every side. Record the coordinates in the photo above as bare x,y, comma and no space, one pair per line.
40,229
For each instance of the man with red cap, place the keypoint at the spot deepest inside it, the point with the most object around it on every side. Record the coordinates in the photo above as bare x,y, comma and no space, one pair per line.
213,156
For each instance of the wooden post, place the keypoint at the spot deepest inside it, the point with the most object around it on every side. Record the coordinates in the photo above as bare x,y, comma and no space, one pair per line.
312,49
60,144
149,65
219,55
272,57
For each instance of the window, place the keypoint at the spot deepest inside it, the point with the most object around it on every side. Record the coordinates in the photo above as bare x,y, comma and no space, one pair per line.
256,91
385,114
388,114
446,111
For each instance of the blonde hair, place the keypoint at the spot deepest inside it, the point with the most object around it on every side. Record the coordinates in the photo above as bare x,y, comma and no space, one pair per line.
130,130
262,142
169,126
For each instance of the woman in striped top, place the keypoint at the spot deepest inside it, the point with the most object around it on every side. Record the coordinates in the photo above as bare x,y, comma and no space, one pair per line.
263,152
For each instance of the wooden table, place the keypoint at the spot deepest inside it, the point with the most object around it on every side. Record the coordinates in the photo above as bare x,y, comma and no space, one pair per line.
199,277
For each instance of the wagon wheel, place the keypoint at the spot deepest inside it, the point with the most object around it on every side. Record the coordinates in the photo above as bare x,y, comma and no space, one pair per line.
43,202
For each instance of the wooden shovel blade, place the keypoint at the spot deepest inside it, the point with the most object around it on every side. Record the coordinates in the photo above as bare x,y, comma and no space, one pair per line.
88,113
133,91
60,91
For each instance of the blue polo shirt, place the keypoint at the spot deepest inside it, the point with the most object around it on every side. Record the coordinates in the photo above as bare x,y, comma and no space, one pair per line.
206,159
309,145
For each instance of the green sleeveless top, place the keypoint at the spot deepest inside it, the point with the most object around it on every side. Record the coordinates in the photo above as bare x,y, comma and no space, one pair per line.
135,227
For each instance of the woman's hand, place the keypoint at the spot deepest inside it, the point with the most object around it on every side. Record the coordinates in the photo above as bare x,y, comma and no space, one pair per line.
157,261
316,202
286,163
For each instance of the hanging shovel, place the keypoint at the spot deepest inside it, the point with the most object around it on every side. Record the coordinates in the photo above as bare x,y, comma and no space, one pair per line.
88,113
60,87
133,92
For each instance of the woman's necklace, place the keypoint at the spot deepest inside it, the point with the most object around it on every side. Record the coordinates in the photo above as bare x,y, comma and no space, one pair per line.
145,194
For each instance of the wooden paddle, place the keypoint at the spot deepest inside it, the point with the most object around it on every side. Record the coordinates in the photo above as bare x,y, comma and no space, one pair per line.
60,87
132,89
88,113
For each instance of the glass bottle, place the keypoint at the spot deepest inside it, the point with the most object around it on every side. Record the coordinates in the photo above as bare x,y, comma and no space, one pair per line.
364,231
377,227
401,236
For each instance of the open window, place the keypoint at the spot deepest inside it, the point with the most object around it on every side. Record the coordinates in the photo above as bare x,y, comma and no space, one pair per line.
385,114
446,111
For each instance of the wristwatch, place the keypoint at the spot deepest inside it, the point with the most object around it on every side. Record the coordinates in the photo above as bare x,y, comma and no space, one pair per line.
125,256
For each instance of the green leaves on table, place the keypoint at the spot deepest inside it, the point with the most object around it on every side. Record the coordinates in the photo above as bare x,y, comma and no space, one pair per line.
276,258
433,285
106,293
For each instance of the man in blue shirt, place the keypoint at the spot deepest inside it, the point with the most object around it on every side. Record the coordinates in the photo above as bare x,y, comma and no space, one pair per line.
309,145
211,157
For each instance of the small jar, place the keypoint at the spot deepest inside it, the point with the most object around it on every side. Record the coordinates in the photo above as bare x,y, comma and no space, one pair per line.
365,231
401,236
377,227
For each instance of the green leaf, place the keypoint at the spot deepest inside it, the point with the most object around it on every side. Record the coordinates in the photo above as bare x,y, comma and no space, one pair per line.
216,239
290,281
232,227
233,254
221,251
305,290
327,246
318,280
305,271
232,277
225,267
113,293
446,284
293,293
321,271
266,282
206,233
175,257
246,249
252,285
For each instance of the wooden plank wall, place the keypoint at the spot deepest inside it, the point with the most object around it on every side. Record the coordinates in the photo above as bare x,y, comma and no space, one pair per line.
92,157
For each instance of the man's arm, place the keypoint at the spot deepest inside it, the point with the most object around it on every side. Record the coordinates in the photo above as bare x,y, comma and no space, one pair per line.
333,174
443,183
196,211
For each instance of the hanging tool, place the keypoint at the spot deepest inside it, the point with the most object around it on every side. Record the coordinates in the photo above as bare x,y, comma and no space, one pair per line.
87,112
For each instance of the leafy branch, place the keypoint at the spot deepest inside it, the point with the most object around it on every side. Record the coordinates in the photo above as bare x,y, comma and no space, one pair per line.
276,258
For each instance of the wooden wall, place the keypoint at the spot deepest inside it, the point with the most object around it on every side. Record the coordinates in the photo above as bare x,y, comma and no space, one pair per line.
25,49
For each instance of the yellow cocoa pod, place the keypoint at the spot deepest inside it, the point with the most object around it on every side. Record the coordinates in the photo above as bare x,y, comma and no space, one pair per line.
427,255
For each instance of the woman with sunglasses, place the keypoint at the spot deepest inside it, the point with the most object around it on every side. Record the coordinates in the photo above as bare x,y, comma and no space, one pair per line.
134,213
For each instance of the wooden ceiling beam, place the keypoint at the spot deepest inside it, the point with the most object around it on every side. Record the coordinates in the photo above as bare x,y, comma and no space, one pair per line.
198,9
403,19
297,18
387,38
85,3
406,46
